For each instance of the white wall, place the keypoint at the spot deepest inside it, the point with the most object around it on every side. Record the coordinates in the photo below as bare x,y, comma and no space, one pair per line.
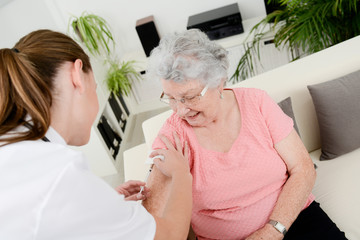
19,17
170,15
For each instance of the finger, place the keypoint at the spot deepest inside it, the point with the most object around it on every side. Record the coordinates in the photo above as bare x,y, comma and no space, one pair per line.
177,141
158,163
135,183
120,187
167,142
146,190
135,197
147,194
159,155
131,198
154,153
140,196
157,152
120,191
134,190
124,192
125,185
132,186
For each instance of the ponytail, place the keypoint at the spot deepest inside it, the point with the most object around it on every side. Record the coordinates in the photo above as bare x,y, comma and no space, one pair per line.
26,82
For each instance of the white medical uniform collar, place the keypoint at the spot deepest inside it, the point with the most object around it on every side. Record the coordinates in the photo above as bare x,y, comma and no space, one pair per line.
54,136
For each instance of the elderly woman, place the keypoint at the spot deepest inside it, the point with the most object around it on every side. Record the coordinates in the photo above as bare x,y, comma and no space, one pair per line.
252,176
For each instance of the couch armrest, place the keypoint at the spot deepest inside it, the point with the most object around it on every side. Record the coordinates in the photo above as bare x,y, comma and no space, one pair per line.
134,163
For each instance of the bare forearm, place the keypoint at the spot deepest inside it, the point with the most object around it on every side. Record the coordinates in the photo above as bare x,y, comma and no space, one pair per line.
293,197
170,204
300,183
159,185
179,206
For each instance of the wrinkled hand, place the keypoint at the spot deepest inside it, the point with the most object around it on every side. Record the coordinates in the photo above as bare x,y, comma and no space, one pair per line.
131,190
175,157
268,232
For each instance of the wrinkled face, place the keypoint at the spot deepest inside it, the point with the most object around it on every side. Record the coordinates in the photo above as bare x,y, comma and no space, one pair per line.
197,113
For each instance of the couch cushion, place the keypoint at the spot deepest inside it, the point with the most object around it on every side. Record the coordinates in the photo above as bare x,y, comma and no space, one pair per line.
286,106
337,190
338,112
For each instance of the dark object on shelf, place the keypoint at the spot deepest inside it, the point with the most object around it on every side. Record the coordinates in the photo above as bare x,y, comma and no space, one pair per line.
118,112
218,23
122,102
111,138
148,34
116,108
123,124
273,5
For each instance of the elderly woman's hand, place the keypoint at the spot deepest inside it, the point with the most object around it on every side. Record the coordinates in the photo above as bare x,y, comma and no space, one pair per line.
265,233
175,157
131,190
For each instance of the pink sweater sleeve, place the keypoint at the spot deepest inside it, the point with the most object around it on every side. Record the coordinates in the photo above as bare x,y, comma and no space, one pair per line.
278,123
174,124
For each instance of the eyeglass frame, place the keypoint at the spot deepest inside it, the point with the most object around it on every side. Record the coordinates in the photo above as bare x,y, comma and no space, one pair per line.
183,99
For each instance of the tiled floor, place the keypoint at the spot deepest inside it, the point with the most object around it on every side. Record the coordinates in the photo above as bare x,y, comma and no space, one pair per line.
135,137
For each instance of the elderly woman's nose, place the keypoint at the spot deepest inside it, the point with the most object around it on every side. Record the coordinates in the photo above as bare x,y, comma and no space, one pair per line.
181,110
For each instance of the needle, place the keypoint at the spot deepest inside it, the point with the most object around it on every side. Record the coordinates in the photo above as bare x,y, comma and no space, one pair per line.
146,178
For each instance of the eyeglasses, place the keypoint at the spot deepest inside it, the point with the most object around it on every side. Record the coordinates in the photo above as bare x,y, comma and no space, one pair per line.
187,101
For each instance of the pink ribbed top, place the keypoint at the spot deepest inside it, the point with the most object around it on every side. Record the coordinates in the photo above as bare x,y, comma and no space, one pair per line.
234,192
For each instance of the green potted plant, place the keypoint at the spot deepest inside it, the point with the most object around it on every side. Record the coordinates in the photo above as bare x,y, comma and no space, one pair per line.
120,77
94,32
307,25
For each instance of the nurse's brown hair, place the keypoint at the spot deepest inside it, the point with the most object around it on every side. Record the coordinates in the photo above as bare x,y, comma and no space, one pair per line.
27,74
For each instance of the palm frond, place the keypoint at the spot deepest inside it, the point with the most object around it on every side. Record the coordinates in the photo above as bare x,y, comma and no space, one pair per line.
311,25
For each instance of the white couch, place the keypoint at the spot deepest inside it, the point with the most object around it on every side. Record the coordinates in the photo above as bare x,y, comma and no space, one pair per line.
336,187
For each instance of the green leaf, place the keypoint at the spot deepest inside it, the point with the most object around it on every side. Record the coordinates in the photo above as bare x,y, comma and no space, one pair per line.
94,32
120,77
311,25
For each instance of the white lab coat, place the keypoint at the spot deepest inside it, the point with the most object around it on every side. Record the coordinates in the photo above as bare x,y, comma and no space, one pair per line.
47,192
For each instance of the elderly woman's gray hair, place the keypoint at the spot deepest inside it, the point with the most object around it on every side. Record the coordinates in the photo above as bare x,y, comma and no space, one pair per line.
189,55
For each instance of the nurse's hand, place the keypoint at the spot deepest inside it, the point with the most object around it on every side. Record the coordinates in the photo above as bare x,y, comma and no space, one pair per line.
131,190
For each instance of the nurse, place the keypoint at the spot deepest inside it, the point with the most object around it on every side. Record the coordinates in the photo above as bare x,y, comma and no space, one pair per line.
48,101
